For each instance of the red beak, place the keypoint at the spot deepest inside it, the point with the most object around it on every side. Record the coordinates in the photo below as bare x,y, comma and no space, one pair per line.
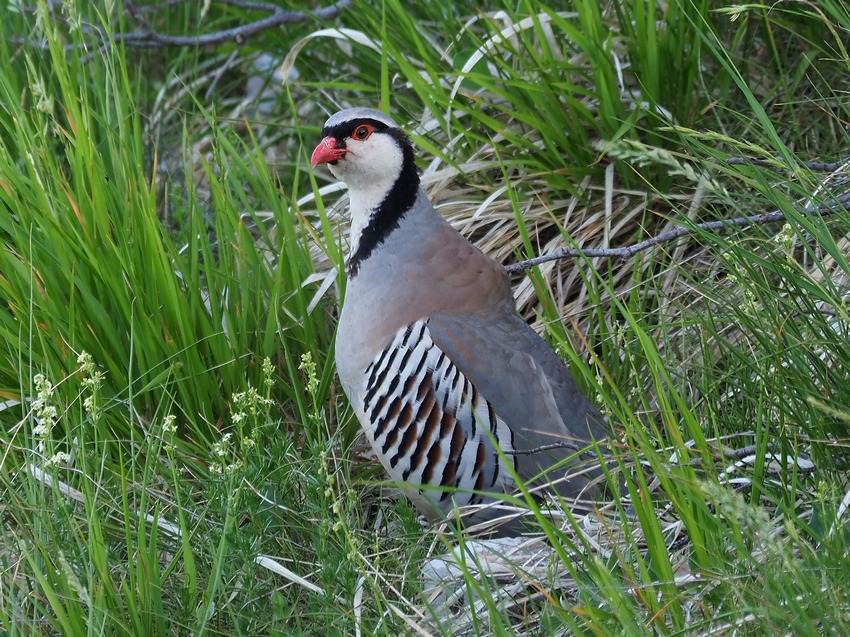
327,151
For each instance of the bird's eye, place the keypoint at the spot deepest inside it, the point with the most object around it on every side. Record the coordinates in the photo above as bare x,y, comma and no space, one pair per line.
362,132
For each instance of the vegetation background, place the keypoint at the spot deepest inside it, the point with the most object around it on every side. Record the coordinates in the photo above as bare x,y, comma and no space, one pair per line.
176,457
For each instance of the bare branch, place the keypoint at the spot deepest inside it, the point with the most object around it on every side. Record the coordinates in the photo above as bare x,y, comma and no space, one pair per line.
147,37
824,210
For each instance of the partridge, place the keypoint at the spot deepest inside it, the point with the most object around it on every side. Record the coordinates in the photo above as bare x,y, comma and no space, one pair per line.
438,366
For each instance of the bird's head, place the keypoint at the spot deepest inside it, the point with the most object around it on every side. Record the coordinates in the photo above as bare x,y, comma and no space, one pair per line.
369,153
363,148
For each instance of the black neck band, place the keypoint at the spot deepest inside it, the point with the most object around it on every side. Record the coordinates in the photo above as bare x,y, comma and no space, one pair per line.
394,206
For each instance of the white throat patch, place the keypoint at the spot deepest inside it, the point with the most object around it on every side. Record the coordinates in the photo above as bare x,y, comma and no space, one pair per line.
369,169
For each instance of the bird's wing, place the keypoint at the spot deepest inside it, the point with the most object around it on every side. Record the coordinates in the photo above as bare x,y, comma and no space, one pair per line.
527,385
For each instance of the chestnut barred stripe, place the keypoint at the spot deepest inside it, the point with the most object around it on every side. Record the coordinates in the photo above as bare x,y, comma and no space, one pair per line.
428,418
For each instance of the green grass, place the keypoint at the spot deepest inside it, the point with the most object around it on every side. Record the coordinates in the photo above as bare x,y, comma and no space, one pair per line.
171,422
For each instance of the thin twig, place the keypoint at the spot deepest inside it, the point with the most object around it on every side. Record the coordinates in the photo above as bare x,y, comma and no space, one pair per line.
824,210
220,73
749,450
554,445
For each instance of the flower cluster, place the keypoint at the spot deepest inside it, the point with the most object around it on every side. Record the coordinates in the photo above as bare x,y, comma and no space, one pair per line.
59,458
92,379
248,409
268,373
786,239
224,461
248,402
168,425
44,413
169,430
308,366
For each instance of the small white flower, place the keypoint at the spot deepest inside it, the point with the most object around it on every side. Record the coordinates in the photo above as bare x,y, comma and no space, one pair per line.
221,447
85,361
168,424
42,387
58,458
95,379
308,366
268,370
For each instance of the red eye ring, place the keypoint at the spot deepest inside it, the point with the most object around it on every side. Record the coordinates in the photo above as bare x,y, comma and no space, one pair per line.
362,132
